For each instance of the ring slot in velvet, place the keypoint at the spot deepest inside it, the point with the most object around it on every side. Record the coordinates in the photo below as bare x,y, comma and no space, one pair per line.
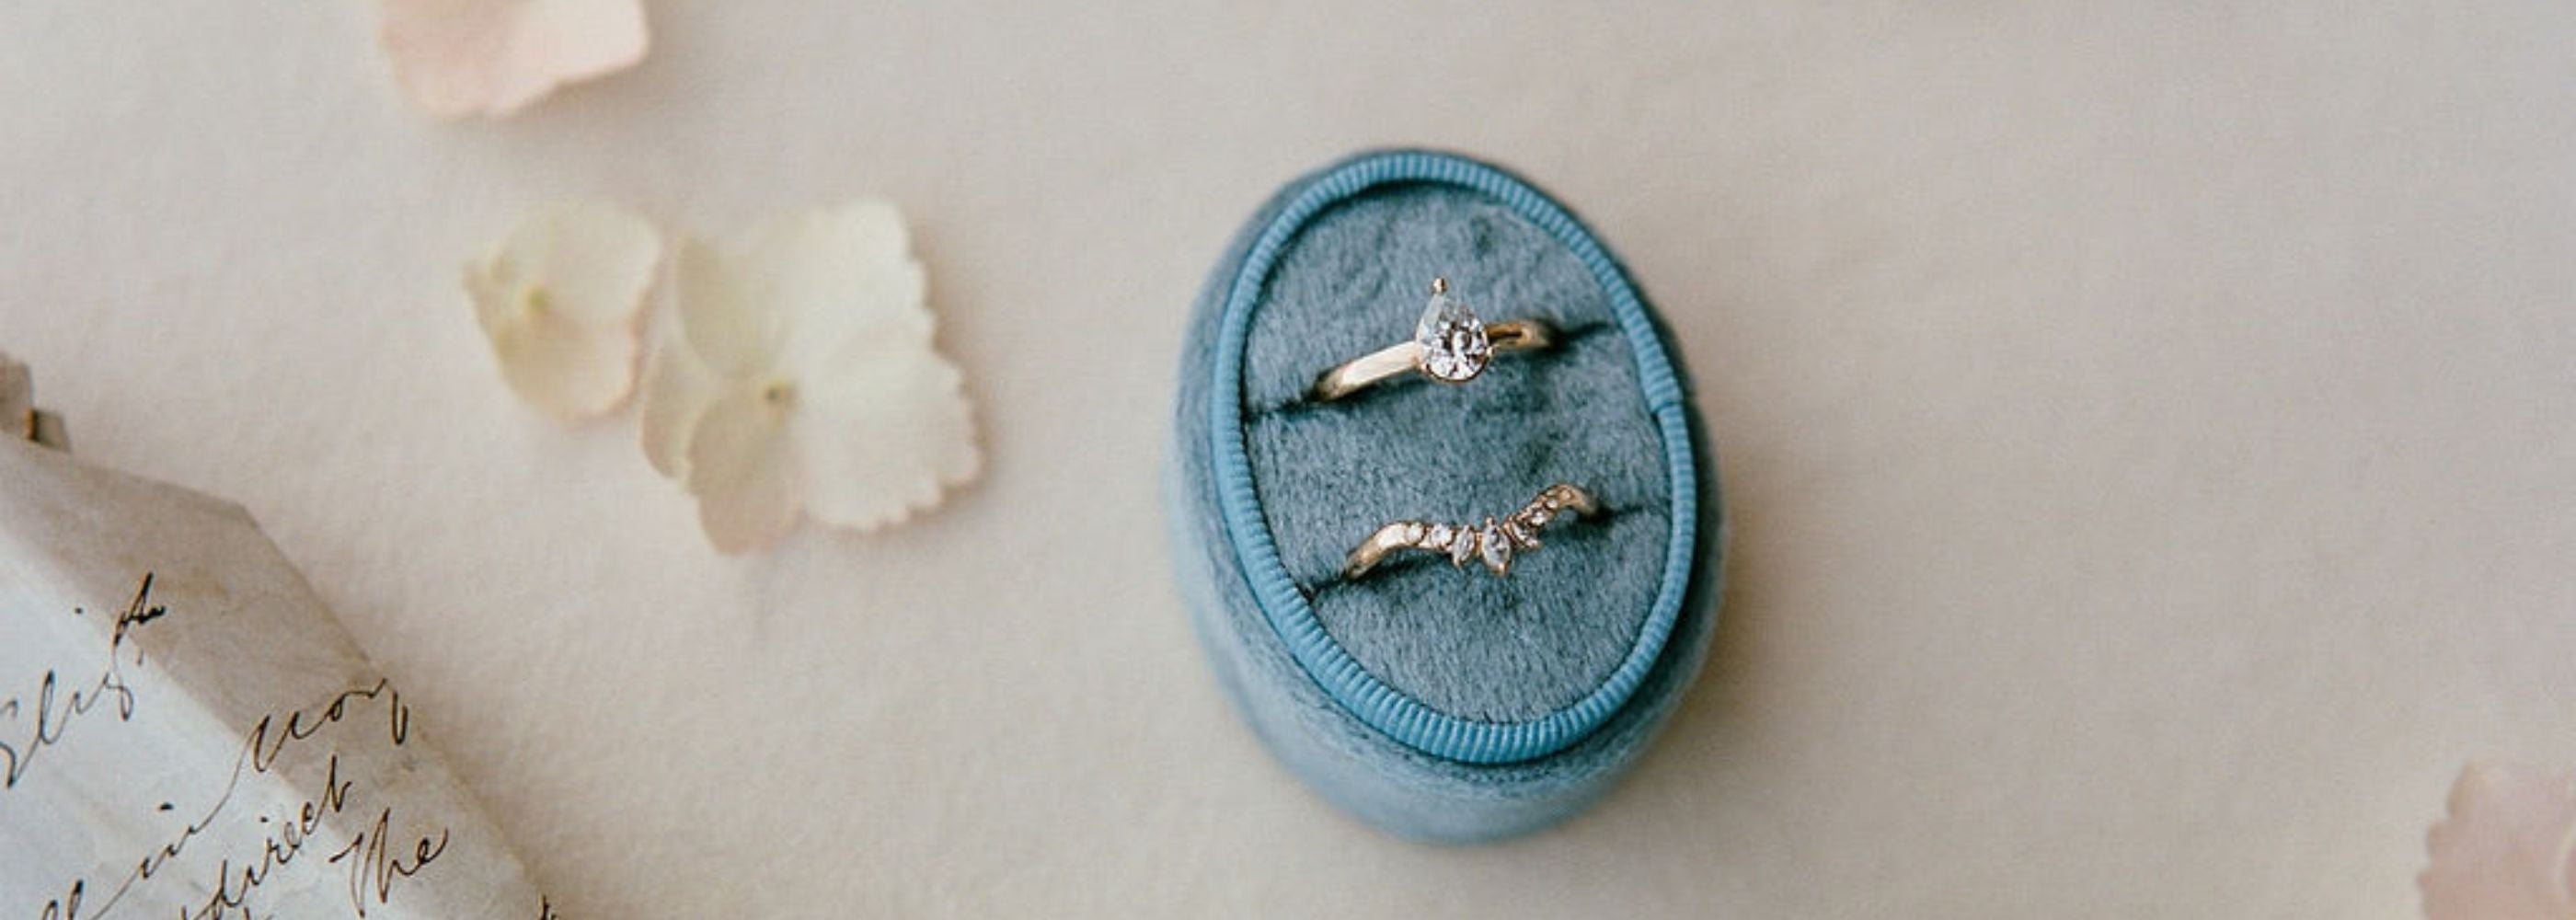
1435,683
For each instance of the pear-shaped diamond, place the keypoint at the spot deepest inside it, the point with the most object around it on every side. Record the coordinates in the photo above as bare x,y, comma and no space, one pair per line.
1455,347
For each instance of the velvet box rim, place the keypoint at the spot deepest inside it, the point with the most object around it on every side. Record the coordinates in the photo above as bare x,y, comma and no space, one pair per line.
1286,609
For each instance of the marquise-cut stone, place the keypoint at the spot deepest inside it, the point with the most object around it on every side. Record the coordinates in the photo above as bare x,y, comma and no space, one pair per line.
1464,548
1455,347
1497,548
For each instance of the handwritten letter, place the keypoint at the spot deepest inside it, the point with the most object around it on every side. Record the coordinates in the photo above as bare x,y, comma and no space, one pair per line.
185,732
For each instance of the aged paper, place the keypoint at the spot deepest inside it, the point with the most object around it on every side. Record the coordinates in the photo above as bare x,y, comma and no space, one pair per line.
17,399
19,417
185,732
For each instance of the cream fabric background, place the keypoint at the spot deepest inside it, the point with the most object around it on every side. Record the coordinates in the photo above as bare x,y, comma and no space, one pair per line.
2150,431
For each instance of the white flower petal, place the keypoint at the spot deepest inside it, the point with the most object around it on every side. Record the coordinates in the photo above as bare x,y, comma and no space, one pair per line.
883,437
559,300
743,469
568,370
492,57
833,401
597,260
2507,851
678,389
847,275
731,323
794,290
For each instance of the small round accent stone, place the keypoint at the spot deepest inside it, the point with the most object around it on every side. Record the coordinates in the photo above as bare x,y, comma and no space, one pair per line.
1438,537
1455,347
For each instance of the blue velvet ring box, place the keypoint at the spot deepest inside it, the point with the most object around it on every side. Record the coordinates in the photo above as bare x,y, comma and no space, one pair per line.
1438,702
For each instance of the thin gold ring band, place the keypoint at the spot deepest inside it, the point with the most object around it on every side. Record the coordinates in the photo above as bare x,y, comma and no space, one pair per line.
1496,542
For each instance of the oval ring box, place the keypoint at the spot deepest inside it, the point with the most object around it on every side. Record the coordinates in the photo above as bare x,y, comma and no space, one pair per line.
1440,702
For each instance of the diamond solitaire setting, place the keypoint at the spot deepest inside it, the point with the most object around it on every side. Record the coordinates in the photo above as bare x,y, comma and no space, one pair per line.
1450,344
1455,345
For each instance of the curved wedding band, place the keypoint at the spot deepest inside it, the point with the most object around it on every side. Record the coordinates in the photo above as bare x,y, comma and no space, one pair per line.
1495,542
1450,344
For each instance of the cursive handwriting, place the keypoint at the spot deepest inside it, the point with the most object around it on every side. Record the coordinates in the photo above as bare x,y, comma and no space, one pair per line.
233,887
261,748
378,865
52,717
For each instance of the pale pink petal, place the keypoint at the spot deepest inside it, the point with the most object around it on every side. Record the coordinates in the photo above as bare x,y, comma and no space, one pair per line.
492,57
884,436
2507,851
678,389
743,469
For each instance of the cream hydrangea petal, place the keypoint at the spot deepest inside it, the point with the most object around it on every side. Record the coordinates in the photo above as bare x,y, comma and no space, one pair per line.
743,469
2507,851
826,275
493,57
726,313
596,261
884,436
568,370
678,389
850,414
847,274
559,300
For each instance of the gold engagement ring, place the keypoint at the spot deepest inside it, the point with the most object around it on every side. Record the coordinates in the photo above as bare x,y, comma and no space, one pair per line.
1450,344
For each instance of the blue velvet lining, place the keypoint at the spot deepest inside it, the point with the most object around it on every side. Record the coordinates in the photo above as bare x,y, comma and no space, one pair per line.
1460,642
1491,735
